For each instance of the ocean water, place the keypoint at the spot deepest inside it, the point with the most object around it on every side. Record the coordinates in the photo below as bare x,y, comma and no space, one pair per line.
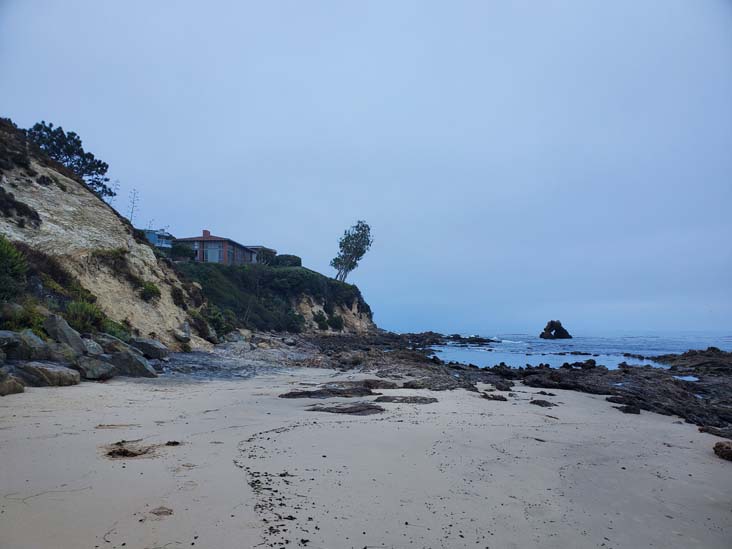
521,349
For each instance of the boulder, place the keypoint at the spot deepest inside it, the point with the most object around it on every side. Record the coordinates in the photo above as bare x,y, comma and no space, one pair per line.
150,348
9,384
61,352
92,347
724,449
9,340
60,330
131,363
33,346
554,330
95,367
44,374
183,334
111,344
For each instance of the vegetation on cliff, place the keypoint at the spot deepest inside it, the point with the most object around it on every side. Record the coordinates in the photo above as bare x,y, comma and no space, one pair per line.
262,297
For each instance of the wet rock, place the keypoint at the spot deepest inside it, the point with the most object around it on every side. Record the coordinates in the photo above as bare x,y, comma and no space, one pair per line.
150,348
45,374
554,330
628,409
60,330
354,409
289,341
545,393
406,399
724,450
542,403
9,384
330,392
129,363
97,367
491,396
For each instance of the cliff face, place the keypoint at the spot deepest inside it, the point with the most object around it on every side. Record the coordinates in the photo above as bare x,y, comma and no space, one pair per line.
47,208
355,320
73,225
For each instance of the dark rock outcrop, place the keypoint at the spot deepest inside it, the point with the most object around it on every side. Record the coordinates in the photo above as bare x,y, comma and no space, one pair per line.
150,348
492,396
330,392
406,399
97,367
132,364
554,330
354,409
542,403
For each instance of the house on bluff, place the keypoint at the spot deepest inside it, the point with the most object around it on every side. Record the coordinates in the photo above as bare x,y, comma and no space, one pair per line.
209,248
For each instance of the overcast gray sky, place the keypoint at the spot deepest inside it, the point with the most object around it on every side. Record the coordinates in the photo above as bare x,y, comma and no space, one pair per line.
518,161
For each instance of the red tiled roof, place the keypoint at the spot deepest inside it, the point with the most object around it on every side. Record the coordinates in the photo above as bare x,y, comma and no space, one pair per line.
210,238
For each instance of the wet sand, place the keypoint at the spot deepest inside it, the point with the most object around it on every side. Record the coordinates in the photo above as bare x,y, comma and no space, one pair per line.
254,470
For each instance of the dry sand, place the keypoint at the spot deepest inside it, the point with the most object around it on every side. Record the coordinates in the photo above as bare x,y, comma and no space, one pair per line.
254,470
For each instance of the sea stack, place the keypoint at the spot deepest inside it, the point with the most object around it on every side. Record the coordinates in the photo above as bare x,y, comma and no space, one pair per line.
554,330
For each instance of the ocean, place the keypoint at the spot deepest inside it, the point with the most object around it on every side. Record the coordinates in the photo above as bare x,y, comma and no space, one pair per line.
521,349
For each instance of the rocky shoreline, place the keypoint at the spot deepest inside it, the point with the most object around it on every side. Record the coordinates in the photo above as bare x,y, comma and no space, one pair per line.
696,386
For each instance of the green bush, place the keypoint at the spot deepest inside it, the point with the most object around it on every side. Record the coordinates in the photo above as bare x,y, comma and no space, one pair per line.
149,291
84,317
286,260
115,329
179,297
26,319
55,278
336,322
13,268
321,320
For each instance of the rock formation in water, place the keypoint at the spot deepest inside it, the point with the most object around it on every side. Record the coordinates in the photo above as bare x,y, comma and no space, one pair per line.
554,330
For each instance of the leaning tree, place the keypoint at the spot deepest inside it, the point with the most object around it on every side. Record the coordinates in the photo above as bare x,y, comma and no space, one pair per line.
353,245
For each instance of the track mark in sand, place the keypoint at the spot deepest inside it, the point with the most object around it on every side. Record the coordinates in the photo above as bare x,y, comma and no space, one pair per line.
279,505
25,499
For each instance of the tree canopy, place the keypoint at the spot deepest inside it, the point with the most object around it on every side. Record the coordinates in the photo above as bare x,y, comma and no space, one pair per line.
66,148
353,245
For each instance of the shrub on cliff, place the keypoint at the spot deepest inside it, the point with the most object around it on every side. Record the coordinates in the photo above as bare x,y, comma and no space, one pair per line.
13,268
336,322
84,317
321,320
149,291
286,260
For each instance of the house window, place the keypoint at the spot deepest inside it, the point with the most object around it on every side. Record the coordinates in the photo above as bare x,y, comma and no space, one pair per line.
212,252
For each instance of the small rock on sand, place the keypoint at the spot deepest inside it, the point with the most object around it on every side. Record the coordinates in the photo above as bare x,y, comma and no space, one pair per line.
407,399
354,409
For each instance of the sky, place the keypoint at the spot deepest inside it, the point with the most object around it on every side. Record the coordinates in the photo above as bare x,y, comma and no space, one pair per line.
517,161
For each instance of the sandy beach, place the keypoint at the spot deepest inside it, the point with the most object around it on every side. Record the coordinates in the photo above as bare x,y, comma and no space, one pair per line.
254,470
